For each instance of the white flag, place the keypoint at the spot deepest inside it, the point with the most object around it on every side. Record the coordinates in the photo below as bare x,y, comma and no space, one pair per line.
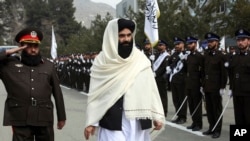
53,50
152,12
222,43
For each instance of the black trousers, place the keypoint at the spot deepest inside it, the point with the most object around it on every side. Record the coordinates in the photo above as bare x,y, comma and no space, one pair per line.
194,99
214,109
33,133
162,88
241,110
178,96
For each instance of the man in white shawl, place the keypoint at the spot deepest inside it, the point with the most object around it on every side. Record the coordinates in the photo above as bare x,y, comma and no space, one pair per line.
123,97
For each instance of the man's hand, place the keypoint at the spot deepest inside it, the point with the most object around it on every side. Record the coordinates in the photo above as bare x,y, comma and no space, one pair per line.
14,50
158,125
222,92
168,70
230,93
60,124
152,57
90,130
202,92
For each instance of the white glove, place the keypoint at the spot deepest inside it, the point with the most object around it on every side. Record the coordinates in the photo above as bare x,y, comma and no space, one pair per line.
182,56
152,57
222,92
201,90
230,93
168,70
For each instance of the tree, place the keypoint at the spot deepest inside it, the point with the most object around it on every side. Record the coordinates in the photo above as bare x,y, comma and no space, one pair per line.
239,16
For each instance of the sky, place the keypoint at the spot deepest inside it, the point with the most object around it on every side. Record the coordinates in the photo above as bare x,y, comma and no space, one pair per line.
109,2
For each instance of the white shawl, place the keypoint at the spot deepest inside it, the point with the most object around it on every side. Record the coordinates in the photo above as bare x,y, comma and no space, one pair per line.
112,77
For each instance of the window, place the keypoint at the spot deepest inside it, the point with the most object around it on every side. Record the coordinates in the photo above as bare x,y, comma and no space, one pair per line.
222,8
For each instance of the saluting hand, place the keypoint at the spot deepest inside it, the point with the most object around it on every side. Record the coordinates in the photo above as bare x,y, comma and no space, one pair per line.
14,50
90,130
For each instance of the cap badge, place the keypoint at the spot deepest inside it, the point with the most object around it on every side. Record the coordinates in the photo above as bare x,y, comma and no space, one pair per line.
241,31
209,35
33,34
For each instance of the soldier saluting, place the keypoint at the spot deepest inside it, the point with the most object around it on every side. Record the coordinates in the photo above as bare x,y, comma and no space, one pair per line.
30,81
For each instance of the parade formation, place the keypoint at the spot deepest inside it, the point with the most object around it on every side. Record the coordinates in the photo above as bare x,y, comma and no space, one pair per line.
196,76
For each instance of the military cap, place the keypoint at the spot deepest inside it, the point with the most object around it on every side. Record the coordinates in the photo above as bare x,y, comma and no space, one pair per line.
191,39
212,36
162,42
178,40
124,23
29,35
242,33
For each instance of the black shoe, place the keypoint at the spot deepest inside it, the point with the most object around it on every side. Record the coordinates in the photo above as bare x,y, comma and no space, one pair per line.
190,127
208,132
176,120
216,135
181,121
196,128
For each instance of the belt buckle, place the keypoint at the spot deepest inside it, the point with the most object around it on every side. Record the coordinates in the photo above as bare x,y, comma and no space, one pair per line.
33,102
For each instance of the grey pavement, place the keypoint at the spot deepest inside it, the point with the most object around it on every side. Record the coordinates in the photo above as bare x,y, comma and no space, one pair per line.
75,103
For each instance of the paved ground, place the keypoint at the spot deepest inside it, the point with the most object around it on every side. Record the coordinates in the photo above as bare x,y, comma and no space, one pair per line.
75,103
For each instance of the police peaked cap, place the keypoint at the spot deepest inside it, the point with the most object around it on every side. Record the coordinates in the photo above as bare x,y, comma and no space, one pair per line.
178,40
191,39
162,42
212,36
242,33
29,35
124,23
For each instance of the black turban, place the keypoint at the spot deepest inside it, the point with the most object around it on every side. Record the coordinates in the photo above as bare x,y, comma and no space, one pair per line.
123,23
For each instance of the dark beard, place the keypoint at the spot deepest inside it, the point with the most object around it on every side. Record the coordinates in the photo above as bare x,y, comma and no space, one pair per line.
124,49
30,60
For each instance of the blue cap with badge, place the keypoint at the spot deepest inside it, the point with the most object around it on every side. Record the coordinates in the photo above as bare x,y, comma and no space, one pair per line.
191,39
178,40
212,36
162,42
242,33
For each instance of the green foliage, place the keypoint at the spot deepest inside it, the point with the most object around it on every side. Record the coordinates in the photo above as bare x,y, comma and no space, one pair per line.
176,19
239,16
